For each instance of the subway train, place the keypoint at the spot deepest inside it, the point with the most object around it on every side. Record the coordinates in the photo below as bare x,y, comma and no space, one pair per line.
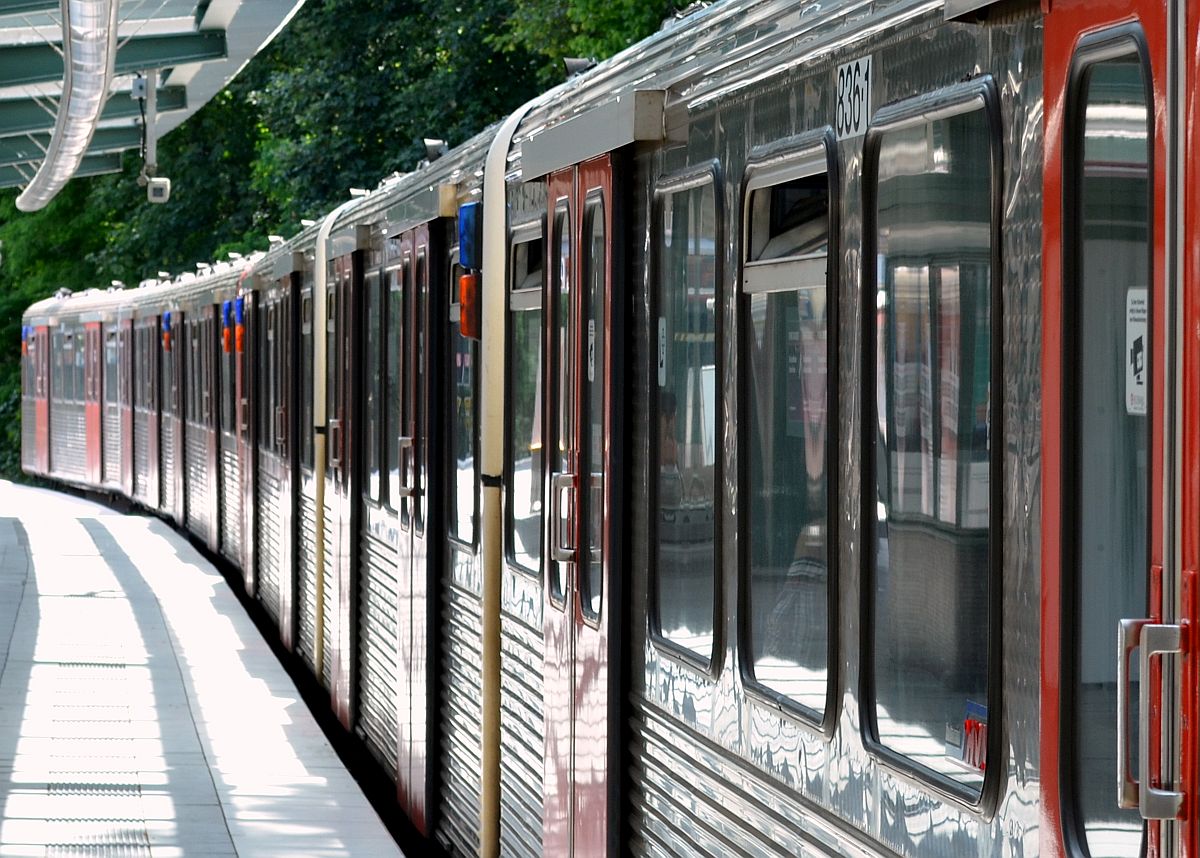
773,440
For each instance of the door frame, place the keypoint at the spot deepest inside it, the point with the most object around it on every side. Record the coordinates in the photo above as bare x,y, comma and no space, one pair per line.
1072,27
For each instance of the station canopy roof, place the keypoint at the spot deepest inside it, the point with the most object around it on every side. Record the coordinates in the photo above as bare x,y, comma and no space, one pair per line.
196,46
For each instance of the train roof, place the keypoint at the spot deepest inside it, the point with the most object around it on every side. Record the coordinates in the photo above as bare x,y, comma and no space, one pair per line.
712,53
214,282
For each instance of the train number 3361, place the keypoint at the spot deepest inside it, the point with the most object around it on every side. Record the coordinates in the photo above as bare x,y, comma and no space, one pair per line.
853,98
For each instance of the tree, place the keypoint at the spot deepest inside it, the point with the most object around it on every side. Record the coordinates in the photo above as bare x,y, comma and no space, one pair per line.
554,29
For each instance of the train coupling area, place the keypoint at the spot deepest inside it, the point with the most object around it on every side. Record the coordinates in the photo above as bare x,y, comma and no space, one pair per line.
141,711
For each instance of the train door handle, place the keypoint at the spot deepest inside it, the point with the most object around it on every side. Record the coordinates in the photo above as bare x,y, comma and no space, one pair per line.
280,426
559,551
1153,639
405,443
335,432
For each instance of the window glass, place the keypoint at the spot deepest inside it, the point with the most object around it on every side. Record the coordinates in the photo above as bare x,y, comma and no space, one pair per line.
524,435
1111,443
306,377
787,352
78,375
228,358
373,382
265,356
395,374
29,379
332,412
591,580
420,402
685,401
110,368
933,547
60,354
790,218
463,404
563,370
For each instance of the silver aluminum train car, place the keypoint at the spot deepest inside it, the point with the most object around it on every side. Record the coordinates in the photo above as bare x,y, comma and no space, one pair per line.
754,445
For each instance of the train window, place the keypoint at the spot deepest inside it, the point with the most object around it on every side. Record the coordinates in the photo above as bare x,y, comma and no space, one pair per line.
420,400
1107,433
332,368
60,358
373,383
523,438
395,282
790,392
931,435
110,367
686,312
593,512
264,357
228,359
306,374
462,401
562,417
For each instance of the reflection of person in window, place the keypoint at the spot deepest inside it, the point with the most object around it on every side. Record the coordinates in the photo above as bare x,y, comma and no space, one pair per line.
668,445
670,482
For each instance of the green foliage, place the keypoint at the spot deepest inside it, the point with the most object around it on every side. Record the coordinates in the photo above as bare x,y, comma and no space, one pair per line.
341,98
555,29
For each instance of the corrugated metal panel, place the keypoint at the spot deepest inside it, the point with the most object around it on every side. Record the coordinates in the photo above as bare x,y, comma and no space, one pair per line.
270,538
329,595
198,478
378,648
141,455
522,738
231,504
306,572
112,444
166,482
28,432
462,754
68,433
689,796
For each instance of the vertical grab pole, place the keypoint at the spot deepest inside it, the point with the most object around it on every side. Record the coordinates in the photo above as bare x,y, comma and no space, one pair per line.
320,306
493,310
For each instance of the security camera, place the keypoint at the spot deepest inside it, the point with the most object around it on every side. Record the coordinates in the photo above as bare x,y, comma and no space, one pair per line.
158,190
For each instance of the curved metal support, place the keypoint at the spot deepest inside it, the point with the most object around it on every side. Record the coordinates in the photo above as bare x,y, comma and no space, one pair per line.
89,53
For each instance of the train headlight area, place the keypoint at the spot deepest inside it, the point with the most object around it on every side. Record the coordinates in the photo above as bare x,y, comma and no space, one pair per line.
760,443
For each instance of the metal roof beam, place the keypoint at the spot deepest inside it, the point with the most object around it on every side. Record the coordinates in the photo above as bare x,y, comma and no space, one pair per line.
26,116
27,7
24,150
24,65
92,165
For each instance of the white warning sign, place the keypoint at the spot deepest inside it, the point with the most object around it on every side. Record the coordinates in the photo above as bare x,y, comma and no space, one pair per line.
1137,351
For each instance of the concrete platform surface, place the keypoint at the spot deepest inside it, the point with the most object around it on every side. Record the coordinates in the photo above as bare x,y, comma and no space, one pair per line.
141,712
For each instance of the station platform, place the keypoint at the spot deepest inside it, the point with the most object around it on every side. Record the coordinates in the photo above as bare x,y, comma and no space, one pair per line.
141,712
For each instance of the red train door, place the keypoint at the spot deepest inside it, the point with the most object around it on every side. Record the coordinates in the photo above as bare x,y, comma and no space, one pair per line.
579,807
92,393
1110,730
1189,590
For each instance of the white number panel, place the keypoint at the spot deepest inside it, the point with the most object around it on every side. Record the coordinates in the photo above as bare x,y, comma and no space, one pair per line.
853,98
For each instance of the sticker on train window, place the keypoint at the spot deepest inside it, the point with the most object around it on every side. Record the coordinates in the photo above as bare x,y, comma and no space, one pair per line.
662,351
853,88
967,744
1136,351
591,350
